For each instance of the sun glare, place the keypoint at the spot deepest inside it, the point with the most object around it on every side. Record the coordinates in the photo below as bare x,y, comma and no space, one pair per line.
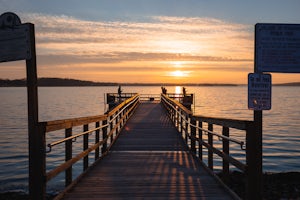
179,73
178,90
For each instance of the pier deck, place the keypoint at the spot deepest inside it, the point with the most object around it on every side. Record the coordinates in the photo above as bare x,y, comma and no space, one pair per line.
148,161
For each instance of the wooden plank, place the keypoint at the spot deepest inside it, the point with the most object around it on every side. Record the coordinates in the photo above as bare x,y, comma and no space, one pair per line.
148,175
148,161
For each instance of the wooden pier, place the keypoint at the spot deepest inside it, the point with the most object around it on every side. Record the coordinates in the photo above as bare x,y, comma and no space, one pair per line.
145,147
148,161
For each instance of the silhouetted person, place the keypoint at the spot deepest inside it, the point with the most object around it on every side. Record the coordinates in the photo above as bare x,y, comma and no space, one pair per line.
163,90
119,93
184,91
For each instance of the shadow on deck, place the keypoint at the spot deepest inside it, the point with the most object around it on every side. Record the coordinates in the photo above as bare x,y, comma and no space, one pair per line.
148,161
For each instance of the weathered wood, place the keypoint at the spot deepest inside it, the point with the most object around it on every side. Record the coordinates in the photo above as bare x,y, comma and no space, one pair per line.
85,147
51,174
176,103
224,156
36,132
68,123
152,175
97,139
200,135
210,152
254,158
117,108
148,161
225,143
233,123
193,135
104,135
68,156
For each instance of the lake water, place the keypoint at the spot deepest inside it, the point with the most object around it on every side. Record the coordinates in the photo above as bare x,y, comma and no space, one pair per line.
281,129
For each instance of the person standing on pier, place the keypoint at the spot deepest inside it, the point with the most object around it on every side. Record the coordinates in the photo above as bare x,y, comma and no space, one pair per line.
119,93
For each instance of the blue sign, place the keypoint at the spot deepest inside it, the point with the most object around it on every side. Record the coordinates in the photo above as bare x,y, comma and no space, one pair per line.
277,48
259,91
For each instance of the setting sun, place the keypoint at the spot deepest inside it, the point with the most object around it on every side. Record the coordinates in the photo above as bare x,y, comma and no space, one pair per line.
179,73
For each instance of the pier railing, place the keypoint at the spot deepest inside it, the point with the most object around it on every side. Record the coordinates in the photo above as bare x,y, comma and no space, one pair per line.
104,128
193,129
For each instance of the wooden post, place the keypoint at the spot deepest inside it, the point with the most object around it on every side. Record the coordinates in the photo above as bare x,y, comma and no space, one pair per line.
177,118
118,126
225,142
68,156
104,135
200,153
254,158
37,143
254,172
85,146
97,139
121,117
185,128
193,135
181,122
111,126
20,47
210,152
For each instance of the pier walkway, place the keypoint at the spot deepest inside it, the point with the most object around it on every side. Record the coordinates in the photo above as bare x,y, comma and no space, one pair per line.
148,161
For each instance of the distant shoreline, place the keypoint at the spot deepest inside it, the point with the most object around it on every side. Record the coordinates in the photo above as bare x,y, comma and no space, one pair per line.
59,82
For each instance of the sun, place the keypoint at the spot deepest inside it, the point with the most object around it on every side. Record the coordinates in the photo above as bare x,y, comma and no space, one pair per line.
179,73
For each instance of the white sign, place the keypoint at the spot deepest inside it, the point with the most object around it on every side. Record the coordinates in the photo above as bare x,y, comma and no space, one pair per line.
15,43
259,91
277,48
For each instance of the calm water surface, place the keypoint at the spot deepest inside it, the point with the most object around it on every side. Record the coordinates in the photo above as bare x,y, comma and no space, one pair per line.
281,136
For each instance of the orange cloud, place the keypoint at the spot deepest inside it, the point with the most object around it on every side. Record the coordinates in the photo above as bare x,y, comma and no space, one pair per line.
144,51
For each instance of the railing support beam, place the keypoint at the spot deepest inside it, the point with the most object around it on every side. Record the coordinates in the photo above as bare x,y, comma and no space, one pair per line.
225,132
200,134
68,156
97,139
85,147
193,135
210,152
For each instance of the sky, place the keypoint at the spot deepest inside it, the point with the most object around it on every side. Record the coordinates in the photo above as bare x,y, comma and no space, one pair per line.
147,41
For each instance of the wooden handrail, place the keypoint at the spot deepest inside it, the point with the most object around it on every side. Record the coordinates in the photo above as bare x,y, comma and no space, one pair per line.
68,123
112,124
233,123
176,103
186,123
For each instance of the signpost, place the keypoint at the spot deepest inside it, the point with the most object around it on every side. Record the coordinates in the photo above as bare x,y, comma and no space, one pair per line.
277,49
17,42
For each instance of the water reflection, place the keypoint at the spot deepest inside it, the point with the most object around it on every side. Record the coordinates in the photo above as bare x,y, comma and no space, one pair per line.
178,90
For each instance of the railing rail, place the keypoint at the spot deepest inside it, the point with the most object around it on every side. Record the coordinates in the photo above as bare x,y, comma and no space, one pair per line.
107,126
150,97
191,128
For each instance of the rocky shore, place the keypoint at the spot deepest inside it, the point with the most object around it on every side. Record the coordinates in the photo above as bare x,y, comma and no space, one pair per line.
275,185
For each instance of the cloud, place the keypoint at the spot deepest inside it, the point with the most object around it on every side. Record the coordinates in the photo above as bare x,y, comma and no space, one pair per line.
68,35
71,46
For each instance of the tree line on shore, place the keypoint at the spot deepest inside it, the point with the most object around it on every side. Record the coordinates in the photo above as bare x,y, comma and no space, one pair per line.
58,82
